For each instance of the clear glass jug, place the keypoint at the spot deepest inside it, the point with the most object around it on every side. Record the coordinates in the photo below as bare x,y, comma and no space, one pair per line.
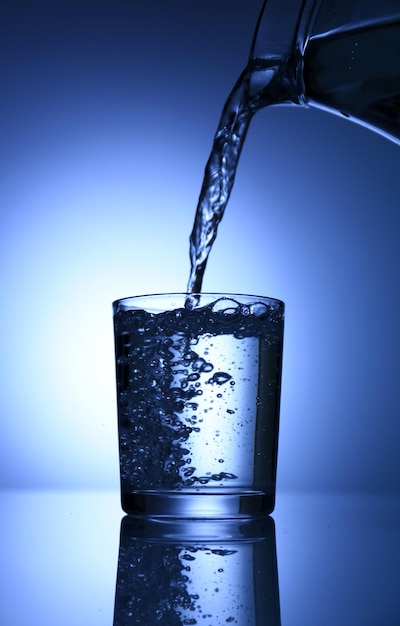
339,55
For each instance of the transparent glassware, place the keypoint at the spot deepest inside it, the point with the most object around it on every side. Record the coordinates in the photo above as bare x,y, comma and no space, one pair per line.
176,573
342,56
198,394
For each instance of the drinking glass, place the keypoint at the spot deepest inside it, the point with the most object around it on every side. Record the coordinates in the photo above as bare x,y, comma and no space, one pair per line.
198,393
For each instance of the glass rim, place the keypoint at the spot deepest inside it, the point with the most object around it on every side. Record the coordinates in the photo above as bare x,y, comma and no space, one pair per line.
207,294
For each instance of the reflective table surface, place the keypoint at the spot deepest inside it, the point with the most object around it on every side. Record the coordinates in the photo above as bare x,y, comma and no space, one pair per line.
74,558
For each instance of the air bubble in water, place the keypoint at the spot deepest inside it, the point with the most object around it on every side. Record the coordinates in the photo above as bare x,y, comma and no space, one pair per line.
219,378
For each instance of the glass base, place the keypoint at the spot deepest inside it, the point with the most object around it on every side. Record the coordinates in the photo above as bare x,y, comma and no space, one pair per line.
198,505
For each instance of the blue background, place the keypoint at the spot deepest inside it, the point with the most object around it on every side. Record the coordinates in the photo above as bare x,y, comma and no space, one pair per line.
107,114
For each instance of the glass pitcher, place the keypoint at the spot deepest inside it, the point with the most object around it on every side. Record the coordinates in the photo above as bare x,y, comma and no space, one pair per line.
339,55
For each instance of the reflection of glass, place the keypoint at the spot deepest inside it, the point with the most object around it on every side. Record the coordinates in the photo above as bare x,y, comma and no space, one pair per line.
213,573
198,403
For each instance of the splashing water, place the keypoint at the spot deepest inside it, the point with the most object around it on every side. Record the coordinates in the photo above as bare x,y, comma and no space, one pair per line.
261,84
191,387
363,87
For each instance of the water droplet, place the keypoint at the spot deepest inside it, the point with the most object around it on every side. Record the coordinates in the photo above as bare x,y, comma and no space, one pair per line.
198,363
259,309
228,306
219,378
207,367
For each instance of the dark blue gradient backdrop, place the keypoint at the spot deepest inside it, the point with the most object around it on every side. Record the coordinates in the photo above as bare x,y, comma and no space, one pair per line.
108,110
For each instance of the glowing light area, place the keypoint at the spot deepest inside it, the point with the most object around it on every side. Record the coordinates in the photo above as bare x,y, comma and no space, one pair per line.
101,168
68,249
101,160
59,557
